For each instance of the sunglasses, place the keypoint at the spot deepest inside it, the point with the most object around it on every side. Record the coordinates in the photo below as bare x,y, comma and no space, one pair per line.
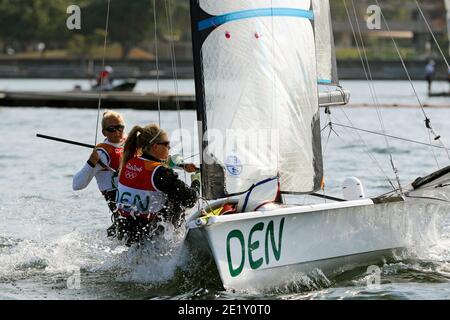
166,143
115,128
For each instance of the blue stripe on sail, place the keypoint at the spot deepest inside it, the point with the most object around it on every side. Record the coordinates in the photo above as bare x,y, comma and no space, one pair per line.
324,81
266,12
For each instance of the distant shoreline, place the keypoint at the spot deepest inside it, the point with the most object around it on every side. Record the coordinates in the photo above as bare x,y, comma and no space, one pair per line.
145,69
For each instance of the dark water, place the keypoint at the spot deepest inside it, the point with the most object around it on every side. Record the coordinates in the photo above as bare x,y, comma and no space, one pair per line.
51,236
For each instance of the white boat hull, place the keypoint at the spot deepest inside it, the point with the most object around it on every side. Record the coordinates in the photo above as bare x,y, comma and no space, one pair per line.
260,250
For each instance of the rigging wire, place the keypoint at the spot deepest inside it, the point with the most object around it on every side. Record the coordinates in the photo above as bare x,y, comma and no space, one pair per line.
328,125
175,75
386,135
275,118
372,94
368,73
432,33
442,54
324,149
103,68
367,150
157,63
432,150
427,119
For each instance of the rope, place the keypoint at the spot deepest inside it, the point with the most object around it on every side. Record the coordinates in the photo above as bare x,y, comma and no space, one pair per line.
432,33
157,63
103,68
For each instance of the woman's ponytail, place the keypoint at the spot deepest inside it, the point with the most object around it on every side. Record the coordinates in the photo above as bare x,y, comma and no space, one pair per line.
131,145
140,140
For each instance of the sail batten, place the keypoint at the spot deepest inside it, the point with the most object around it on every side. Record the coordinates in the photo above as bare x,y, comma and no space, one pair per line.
257,95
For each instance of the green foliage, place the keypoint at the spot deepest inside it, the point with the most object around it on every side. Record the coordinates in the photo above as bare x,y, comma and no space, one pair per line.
24,23
83,46
28,21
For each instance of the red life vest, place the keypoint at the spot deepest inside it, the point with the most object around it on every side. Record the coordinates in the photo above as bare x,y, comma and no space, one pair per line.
113,153
137,193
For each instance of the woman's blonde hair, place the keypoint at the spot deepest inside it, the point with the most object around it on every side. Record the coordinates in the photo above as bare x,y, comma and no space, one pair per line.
140,140
108,114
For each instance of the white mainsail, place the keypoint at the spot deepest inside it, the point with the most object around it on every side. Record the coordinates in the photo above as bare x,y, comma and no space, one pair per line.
256,85
325,51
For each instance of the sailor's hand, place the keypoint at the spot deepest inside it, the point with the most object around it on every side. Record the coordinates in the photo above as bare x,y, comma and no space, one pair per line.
94,158
195,177
175,160
195,182
190,167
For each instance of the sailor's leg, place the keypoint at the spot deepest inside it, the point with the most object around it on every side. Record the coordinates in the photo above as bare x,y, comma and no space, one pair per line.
110,197
112,231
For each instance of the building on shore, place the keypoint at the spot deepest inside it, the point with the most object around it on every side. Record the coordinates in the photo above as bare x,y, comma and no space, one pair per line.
405,22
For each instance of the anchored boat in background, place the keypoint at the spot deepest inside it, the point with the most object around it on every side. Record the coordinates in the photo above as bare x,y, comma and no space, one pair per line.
258,66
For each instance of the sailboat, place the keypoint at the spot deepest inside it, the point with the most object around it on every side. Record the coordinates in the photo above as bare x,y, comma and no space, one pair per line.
258,65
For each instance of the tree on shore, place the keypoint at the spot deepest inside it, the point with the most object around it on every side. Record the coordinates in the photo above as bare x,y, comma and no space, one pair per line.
130,21
24,23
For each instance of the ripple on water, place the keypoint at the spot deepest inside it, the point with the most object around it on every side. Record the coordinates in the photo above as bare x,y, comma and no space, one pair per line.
35,197
393,151
10,157
8,242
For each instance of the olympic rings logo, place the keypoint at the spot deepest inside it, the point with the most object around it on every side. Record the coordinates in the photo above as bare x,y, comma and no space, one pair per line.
130,175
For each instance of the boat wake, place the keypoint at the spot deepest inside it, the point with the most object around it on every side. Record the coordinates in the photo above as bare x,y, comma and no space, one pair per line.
166,268
92,252
162,267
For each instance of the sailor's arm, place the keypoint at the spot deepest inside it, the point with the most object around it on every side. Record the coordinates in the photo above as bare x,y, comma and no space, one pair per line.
167,181
83,177
176,161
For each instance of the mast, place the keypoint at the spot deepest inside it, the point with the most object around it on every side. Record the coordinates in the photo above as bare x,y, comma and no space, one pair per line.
213,174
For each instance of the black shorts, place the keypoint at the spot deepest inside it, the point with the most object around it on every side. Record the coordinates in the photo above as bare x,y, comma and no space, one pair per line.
137,230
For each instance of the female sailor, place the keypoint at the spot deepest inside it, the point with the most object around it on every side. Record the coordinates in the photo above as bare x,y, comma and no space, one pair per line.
104,162
149,191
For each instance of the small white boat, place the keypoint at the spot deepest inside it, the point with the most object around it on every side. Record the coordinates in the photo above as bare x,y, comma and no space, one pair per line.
257,69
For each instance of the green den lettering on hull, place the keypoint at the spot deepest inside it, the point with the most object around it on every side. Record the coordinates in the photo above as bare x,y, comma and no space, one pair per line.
255,261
